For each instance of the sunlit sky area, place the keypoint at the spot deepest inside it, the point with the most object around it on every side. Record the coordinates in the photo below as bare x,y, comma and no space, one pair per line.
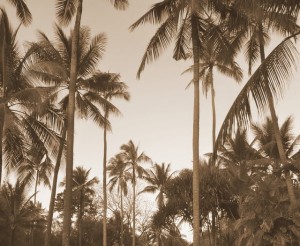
159,114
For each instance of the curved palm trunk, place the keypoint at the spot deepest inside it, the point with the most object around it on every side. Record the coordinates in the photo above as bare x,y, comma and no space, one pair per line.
196,118
121,215
54,184
70,131
104,180
288,179
133,206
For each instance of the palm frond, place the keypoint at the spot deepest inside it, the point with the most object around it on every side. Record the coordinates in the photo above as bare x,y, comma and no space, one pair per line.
274,73
65,10
23,12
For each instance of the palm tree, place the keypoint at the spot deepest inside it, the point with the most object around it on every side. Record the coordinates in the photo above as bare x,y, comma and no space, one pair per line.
37,168
65,11
255,18
119,176
184,21
16,211
52,66
158,178
114,90
24,15
20,99
133,159
83,186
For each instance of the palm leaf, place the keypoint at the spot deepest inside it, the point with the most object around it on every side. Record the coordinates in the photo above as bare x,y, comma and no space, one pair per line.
273,73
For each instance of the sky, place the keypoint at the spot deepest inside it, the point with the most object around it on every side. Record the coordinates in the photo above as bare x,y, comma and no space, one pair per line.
159,115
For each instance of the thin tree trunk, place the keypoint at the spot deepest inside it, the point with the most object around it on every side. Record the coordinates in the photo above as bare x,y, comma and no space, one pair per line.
36,185
12,237
81,199
196,118
121,215
54,184
104,179
214,118
2,108
283,159
70,131
133,209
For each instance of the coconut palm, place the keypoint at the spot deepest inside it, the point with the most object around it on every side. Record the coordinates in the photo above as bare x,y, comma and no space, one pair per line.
256,19
52,66
185,22
119,176
37,167
20,98
133,160
16,211
158,177
83,186
65,11
114,90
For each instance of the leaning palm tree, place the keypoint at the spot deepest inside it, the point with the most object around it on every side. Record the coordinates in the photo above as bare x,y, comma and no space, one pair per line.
16,211
37,167
52,66
254,20
119,176
133,159
158,178
65,11
270,77
184,21
114,90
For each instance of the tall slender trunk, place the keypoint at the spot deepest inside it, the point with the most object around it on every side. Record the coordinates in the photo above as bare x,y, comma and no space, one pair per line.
104,179
214,118
54,184
2,96
213,107
36,185
278,139
196,118
70,131
12,237
133,205
121,215
81,199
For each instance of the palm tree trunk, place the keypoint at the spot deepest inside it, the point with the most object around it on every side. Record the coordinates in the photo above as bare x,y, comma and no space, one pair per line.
36,185
2,95
104,179
54,184
214,117
121,215
81,199
70,131
283,159
196,118
133,206
12,237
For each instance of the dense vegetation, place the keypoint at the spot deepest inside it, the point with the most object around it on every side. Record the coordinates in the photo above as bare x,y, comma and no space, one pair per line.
245,192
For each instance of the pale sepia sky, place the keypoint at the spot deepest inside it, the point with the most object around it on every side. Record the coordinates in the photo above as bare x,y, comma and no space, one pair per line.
159,115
